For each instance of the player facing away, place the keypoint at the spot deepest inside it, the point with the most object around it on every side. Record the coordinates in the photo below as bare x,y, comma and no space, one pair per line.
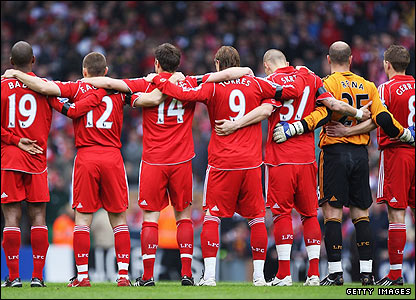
396,182
343,172
290,175
99,177
233,175
168,149
23,163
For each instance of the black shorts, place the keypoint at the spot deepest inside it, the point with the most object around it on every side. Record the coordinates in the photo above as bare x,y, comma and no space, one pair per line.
343,176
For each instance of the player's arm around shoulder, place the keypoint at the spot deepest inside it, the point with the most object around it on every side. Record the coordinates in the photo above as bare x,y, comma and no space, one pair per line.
260,113
37,84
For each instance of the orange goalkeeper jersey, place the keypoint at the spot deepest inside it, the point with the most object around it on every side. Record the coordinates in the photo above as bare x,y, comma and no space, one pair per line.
357,92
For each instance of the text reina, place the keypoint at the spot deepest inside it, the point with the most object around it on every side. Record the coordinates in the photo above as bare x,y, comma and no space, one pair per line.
243,81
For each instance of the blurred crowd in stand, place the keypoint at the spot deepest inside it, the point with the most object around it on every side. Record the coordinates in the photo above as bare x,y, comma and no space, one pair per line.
126,32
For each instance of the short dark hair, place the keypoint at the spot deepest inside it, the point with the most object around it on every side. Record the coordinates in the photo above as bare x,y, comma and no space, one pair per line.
169,57
339,53
22,54
95,63
228,57
398,56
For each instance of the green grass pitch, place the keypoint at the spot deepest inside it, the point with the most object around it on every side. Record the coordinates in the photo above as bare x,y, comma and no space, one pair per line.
173,290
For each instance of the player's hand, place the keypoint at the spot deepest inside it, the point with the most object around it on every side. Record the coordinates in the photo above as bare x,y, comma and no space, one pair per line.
177,76
366,112
336,129
305,68
29,146
149,77
408,136
249,71
9,73
285,130
225,127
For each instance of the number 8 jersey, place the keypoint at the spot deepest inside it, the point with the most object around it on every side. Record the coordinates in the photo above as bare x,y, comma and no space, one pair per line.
398,95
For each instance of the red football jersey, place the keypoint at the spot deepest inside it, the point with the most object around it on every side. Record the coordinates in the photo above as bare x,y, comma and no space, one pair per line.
398,94
301,149
167,128
24,113
229,100
101,125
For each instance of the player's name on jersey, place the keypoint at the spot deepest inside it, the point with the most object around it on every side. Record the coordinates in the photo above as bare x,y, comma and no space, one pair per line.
352,84
289,78
16,84
242,81
404,87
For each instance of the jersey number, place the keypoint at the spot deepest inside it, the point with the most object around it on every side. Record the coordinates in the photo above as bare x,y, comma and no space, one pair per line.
29,113
177,111
411,116
359,98
102,121
301,108
238,108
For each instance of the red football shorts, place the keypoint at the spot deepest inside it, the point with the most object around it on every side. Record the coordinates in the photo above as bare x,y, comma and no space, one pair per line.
99,180
18,186
158,183
396,177
292,186
240,191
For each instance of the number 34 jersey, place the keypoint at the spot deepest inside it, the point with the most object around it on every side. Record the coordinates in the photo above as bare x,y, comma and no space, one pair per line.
101,125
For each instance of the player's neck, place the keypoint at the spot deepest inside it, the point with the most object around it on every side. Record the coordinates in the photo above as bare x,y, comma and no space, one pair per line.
24,69
339,68
394,73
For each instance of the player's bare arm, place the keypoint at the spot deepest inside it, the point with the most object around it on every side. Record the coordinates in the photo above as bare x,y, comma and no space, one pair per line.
337,129
36,84
108,83
341,107
229,74
260,113
155,97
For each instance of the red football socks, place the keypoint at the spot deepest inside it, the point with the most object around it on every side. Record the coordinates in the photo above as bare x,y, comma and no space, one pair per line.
11,246
185,239
258,238
312,238
210,236
40,245
283,235
395,243
81,244
149,243
122,249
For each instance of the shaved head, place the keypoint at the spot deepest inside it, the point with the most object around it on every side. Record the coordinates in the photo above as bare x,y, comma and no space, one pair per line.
275,57
339,53
22,54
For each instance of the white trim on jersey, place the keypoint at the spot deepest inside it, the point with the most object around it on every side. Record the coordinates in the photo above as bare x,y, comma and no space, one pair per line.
308,163
204,195
249,168
138,185
266,180
381,176
16,170
171,164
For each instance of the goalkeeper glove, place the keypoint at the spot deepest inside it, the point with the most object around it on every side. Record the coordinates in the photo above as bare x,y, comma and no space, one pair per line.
285,130
408,135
